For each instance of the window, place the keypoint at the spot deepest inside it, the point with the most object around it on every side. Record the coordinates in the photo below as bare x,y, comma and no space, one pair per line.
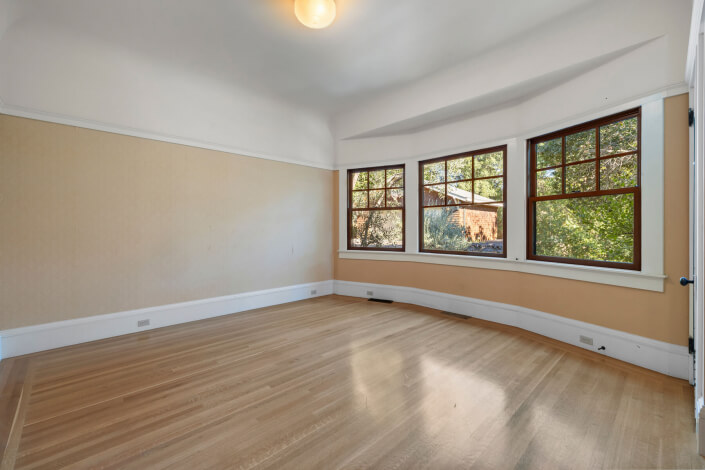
584,203
376,208
462,203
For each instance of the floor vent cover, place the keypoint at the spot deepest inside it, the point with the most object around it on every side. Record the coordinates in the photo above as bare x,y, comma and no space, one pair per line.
384,301
456,315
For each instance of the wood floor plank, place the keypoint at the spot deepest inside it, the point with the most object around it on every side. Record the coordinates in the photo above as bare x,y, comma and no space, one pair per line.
16,385
337,382
12,378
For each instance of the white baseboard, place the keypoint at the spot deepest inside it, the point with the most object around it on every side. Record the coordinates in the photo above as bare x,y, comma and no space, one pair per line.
32,339
662,357
656,355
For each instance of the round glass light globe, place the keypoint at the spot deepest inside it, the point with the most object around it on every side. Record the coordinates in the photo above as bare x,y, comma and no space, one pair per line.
315,14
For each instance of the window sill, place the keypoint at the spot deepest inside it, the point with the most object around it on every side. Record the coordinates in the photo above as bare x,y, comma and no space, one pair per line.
609,276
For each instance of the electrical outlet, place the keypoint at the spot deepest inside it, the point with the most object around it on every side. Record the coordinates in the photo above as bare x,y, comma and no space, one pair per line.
313,291
141,323
586,340
369,292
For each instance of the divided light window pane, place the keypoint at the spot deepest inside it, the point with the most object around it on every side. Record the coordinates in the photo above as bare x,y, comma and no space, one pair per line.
549,182
549,153
586,209
580,178
376,209
619,137
434,173
460,169
489,164
462,203
619,172
580,146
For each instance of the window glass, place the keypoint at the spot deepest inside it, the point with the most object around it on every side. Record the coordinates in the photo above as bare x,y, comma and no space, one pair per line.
580,146
549,153
586,210
462,203
376,209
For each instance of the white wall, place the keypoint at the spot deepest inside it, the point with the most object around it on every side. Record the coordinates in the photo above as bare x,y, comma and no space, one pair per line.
58,75
612,53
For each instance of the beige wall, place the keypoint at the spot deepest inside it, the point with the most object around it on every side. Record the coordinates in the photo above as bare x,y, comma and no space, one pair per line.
661,316
93,223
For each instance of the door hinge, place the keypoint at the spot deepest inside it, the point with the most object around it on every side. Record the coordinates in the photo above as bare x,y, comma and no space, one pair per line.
691,117
691,346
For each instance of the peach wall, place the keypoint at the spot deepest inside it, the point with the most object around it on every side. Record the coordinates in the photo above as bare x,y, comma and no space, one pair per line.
93,222
661,316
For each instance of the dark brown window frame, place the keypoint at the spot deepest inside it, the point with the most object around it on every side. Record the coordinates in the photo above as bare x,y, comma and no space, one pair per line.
500,148
636,190
385,208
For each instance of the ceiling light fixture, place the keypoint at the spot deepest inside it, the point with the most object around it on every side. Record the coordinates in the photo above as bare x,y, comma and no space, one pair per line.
316,14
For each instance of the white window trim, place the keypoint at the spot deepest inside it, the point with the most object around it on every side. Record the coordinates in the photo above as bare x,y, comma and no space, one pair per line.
651,276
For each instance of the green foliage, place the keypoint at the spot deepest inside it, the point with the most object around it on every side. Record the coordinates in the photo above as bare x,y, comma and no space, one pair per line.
377,229
549,182
589,228
395,197
549,153
594,228
580,178
491,188
395,178
580,146
376,198
619,137
460,169
359,199
500,223
376,179
489,164
434,173
440,233
618,172
359,180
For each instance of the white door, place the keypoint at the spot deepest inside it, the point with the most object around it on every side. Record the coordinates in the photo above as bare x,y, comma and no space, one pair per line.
694,279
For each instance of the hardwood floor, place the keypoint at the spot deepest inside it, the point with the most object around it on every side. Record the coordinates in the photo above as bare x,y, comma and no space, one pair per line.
336,382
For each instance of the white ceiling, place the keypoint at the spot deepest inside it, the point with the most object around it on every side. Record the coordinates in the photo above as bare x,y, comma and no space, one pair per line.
372,47
389,79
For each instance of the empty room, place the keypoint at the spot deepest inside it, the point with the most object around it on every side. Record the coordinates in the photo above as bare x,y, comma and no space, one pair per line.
344,234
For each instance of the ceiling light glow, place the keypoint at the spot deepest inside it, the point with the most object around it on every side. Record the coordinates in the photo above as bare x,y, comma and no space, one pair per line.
316,14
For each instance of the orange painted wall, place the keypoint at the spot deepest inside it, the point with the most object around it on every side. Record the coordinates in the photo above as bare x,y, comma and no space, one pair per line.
661,316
